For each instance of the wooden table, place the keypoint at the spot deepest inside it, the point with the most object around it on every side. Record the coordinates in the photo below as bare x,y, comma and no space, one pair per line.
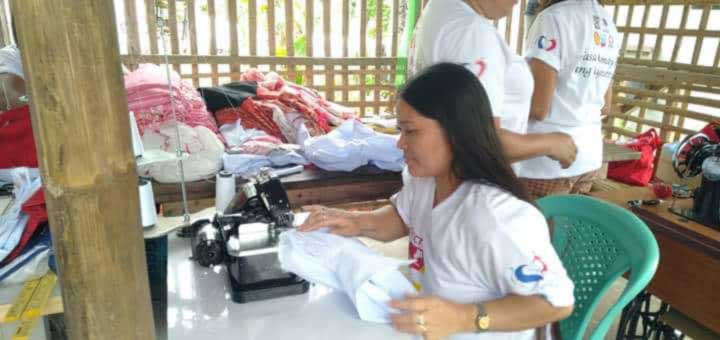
688,275
613,152
312,186
317,186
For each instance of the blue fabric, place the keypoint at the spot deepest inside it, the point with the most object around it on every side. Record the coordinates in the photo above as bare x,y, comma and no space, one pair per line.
244,164
353,145
39,245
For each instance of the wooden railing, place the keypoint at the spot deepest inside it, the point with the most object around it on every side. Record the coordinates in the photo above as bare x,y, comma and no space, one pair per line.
668,76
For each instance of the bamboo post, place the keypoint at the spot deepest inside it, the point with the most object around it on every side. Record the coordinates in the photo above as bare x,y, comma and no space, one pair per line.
80,121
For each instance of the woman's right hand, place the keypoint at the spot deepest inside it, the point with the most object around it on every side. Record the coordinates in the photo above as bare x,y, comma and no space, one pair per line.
340,222
562,148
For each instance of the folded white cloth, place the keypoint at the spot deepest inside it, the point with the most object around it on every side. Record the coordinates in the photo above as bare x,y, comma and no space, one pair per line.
244,164
369,279
203,148
10,61
353,145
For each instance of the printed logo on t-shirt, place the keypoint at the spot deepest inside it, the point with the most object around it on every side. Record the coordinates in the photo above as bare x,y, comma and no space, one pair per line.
601,34
478,67
529,274
546,44
415,252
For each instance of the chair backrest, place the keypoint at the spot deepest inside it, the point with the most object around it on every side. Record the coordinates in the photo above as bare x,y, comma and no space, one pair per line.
597,242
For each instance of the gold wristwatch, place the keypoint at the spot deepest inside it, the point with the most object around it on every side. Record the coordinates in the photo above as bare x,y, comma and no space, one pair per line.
482,319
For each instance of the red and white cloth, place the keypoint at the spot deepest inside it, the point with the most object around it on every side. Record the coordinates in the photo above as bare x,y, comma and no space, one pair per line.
281,106
149,99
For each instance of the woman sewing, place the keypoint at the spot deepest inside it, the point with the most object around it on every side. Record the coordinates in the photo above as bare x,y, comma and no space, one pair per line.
483,265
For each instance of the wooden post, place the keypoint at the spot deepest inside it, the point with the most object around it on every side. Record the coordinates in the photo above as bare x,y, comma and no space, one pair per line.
81,127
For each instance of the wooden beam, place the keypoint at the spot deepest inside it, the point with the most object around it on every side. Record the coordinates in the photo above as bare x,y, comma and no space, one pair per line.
80,123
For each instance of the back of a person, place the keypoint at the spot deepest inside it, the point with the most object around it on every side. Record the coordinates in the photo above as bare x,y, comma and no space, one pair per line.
589,46
578,40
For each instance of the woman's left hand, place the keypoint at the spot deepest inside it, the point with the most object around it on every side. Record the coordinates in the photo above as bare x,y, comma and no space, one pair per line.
432,317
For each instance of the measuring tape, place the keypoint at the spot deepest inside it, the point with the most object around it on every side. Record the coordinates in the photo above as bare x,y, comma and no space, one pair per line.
29,304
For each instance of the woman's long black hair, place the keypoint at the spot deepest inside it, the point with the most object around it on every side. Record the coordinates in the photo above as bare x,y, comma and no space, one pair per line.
453,96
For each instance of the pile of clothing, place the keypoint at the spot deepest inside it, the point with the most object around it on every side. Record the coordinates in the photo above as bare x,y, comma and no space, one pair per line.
151,100
252,149
269,103
25,244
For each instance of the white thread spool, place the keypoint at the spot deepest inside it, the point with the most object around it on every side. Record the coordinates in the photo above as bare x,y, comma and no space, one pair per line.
224,190
147,203
137,144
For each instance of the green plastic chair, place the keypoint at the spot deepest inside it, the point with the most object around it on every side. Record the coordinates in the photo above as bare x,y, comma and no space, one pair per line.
597,243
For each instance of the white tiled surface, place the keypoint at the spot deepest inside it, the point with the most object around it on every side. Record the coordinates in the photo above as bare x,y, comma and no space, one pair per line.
199,307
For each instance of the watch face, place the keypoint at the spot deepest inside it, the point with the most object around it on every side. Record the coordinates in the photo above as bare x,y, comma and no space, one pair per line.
484,322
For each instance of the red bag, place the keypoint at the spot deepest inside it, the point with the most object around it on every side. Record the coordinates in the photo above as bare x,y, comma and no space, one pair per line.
17,146
640,171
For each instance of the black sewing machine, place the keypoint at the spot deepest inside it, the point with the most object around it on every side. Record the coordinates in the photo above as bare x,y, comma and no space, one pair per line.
246,239
700,154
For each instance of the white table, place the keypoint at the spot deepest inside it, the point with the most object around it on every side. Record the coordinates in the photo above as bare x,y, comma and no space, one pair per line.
199,307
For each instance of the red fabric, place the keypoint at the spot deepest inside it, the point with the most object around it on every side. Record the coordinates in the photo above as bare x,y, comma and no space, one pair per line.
252,116
273,91
17,145
36,210
711,130
639,171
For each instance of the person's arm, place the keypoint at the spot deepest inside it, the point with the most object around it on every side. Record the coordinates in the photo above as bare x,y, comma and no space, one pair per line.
383,224
507,314
545,82
556,145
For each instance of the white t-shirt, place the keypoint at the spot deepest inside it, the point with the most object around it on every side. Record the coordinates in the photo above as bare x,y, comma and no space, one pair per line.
579,40
450,31
479,244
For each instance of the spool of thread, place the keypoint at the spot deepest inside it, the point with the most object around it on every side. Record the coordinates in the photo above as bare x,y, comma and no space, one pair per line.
137,144
224,190
147,203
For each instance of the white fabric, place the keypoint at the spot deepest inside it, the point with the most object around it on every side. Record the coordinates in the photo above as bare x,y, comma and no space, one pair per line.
32,263
7,177
13,222
235,134
10,61
479,244
450,31
579,40
245,164
203,147
352,145
370,280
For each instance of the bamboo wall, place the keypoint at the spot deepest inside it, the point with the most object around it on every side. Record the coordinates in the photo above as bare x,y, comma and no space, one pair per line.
668,76
345,49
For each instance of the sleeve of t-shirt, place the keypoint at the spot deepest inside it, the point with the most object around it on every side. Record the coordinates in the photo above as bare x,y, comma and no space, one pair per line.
520,260
402,200
544,41
478,48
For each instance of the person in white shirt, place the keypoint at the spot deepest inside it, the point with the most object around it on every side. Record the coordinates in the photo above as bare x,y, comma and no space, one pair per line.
484,266
461,31
572,49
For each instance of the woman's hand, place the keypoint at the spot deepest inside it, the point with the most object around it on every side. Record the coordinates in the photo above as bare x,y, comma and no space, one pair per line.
562,148
433,317
340,222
